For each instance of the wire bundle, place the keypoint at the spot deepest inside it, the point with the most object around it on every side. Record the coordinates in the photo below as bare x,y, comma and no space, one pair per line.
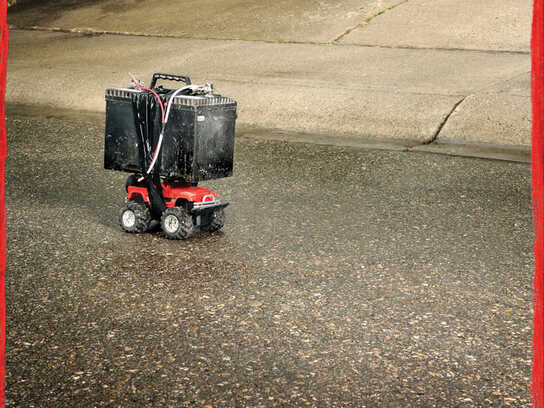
164,116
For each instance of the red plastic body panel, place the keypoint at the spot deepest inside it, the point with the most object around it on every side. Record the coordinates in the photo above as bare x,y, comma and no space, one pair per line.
189,193
134,192
171,192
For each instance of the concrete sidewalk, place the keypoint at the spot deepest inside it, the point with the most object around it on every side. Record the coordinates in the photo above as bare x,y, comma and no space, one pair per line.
338,72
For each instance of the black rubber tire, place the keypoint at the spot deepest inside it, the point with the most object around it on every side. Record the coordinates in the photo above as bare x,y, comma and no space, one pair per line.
177,223
218,220
140,220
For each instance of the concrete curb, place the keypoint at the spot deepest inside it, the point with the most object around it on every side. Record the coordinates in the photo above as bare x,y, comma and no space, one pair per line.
499,118
487,151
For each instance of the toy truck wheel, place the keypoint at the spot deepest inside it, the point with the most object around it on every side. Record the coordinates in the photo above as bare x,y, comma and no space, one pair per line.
177,223
217,222
135,217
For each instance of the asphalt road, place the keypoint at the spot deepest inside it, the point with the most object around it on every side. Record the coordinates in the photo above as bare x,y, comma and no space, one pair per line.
343,277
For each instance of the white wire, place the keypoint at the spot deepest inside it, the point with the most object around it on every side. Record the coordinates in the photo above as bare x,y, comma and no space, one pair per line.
159,143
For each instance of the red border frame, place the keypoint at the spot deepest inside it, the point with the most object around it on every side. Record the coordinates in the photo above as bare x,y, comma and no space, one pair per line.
537,160
537,166
4,38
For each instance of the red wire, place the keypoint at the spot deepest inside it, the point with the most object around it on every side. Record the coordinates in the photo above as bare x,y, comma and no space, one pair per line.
141,88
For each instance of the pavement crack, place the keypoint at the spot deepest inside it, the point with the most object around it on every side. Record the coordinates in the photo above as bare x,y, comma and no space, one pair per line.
443,123
367,20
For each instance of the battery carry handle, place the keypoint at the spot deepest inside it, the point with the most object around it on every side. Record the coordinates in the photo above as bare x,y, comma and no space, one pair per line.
169,77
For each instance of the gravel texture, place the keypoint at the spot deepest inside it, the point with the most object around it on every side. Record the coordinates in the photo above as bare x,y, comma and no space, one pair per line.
343,277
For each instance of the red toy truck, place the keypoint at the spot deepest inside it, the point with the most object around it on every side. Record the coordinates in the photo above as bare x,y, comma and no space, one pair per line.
187,208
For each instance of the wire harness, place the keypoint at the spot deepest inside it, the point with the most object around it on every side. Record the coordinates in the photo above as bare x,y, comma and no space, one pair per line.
164,116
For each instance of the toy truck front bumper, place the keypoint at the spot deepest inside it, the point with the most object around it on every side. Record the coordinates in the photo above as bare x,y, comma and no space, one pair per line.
208,204
203,212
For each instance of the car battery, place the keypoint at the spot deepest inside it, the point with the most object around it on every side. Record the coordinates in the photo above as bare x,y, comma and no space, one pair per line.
198,141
